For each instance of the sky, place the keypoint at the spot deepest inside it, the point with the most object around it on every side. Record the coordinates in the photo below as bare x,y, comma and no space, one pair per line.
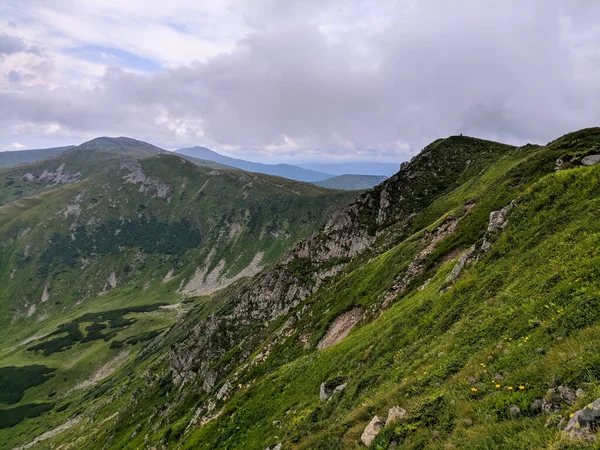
297,81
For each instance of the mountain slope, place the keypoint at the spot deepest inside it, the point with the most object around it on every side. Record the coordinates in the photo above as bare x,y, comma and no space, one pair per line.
102,249
14,158
463,290
351,182
281,170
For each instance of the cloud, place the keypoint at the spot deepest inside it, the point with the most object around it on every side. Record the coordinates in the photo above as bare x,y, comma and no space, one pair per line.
10,44
321,80
17,146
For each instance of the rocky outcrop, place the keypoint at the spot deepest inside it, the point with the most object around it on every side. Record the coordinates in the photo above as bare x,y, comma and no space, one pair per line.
591,160
372,430
556,398
395,415
329,389
585,422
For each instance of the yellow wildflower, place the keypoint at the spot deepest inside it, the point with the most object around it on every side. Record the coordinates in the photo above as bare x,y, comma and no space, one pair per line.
473,389
521,387
509,388
497,386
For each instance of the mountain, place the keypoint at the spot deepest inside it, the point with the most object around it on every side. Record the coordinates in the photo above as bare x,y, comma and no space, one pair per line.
14,158
362,168
351,182
457,301
281,170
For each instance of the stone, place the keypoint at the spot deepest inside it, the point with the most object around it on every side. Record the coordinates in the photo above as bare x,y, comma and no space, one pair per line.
585,422
591,160
395,414
371,431
556,398
339,389
324,392
499,219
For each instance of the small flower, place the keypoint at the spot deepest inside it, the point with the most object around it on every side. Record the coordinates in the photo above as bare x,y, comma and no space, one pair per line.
473,389
497,386
509,388
521,387
571,415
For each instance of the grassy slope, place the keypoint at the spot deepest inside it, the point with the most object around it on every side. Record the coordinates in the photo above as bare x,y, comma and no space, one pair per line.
9,159
526,315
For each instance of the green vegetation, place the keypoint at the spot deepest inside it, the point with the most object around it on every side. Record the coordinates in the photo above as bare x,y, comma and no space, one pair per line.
90,327
470,359
14,381
13,416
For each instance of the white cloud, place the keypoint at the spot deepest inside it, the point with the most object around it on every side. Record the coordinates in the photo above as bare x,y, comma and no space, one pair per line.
17,146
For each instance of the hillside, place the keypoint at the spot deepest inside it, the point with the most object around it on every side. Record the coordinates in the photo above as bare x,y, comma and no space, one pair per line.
280,170
351,182
107,243
457,301
14,158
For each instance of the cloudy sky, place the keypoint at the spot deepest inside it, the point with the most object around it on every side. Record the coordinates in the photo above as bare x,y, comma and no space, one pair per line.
297,80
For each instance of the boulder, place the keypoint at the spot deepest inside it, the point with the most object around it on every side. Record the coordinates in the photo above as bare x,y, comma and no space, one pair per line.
591,160
499,219
585,422
371,431
395,414
339,389
324,392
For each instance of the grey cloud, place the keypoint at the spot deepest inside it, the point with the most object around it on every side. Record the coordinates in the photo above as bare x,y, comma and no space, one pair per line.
10,44
514,71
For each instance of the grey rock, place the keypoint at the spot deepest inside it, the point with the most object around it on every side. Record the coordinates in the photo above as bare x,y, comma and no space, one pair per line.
325,392
591,160
394,415
585,422
556,398
499,219
339,389
371,431
465,259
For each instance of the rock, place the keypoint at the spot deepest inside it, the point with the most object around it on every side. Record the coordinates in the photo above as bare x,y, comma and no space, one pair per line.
591,160
465,259
371,431
584,422
556,398
559,164
514,410
324,392
339,389
277,423
499,219
395,414
340,328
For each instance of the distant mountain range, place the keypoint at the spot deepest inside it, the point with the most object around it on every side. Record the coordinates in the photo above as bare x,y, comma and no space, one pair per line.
361,168
279,170
351,182
341,176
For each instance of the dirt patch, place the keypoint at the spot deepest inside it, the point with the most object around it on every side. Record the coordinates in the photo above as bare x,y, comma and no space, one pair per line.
340,328
104,372
50,434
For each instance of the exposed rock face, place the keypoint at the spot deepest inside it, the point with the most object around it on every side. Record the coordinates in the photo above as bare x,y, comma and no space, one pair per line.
148,185
328,390
340,328
591,160
585,422
394,415
372,430
466,258
59,176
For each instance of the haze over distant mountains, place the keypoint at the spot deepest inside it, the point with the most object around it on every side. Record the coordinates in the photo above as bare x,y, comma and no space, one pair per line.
343,176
